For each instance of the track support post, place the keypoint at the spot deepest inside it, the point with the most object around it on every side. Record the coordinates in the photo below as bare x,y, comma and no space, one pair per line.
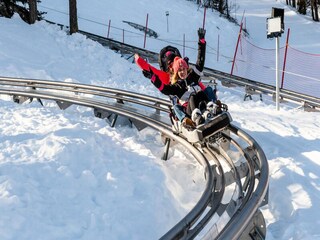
166,149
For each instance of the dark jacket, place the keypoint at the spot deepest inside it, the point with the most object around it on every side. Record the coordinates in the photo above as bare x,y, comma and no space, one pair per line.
181,86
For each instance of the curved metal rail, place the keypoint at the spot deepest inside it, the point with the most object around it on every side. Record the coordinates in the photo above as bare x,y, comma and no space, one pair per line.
245,179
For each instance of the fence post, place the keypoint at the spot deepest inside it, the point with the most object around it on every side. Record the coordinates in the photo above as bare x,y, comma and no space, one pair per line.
145,33
167,15
235,52
277,75
204,17
184,45
218,47
285,58
109,28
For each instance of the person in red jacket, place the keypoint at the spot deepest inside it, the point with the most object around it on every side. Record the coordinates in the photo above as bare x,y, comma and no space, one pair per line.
184,89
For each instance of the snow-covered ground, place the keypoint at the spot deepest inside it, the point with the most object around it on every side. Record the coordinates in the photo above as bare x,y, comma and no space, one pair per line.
68,175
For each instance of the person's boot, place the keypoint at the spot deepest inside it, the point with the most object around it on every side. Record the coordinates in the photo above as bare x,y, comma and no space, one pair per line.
196,117
202,106
214,108
207,115
218,107
187,122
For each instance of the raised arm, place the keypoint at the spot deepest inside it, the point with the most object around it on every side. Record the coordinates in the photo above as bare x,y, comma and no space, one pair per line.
201,50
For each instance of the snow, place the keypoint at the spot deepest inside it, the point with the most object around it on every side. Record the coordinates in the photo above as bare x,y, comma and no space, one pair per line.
69,175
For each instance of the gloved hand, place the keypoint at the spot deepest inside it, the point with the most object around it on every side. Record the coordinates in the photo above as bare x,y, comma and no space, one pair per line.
187,60
147,74
201,33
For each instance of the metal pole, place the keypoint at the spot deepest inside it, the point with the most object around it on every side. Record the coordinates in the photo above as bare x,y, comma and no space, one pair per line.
218,48
184,44
109,28
285,58
145,32
277,74
167,14
235,52
204,17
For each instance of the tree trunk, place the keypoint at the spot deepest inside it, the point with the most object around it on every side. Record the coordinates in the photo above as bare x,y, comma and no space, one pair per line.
73,16
315,13
312,10
33,11
227,8
302,7
221,2
294,3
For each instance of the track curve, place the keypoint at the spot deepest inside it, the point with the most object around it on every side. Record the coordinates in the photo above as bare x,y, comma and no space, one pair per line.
235,188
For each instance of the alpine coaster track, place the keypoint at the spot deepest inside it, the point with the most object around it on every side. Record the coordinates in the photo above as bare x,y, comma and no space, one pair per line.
235,167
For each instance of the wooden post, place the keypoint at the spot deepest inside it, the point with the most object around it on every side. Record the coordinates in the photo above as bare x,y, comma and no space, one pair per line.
73,16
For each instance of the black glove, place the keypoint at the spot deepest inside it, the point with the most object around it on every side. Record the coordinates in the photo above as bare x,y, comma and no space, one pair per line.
187,60
147,74
201,33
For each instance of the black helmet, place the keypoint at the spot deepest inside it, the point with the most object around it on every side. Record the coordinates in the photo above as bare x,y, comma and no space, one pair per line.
166,57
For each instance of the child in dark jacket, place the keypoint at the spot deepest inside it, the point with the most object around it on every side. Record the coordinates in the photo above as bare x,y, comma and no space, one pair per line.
184,89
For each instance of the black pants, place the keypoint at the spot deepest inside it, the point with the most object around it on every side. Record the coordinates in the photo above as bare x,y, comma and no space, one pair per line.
197,100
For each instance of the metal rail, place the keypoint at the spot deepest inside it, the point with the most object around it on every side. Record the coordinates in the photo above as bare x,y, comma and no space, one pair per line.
247,183
250,86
